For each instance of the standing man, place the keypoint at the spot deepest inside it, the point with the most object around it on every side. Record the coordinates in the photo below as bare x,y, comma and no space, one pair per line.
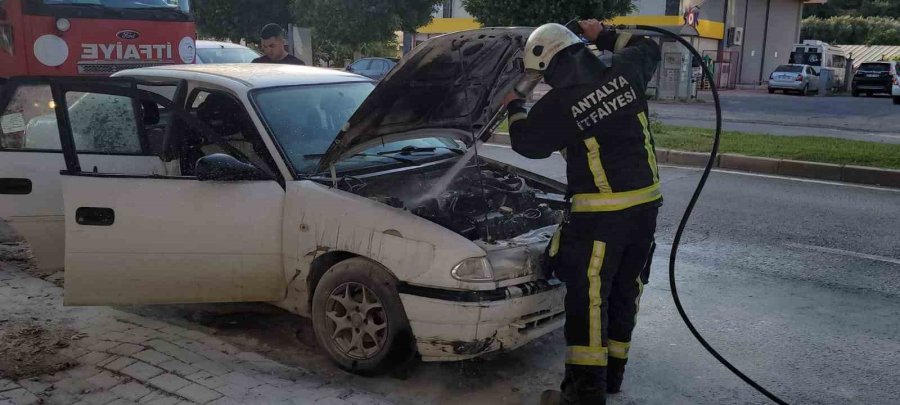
272,37
597,116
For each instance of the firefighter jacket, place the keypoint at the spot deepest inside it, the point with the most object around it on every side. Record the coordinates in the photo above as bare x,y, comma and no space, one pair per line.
600,124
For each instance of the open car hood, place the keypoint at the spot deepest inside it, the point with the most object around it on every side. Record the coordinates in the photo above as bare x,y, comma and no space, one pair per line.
449,86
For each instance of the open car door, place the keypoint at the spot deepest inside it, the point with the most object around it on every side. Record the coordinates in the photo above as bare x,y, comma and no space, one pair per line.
142,238
31,158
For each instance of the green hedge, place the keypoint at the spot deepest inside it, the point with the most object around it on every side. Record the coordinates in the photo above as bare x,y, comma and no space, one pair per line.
846,30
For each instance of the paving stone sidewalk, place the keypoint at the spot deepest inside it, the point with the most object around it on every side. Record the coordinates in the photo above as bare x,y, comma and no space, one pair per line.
127,359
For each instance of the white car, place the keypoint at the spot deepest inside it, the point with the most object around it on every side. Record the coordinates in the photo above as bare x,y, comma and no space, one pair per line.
298,186
224,52
895,86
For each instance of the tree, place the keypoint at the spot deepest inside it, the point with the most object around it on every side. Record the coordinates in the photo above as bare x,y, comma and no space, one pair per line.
498,13
239,19
854,8
846,30
360,23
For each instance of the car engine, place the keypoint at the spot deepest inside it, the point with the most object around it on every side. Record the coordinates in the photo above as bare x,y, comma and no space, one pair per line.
495,205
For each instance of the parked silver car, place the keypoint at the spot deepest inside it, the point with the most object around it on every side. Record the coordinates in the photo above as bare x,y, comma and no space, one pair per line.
373,68
797,78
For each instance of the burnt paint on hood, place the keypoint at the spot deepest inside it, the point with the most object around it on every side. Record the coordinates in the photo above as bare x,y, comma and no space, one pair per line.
447,87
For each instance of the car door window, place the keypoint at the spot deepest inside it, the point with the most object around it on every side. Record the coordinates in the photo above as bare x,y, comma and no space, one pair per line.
103,123
237,134
100,123
29,122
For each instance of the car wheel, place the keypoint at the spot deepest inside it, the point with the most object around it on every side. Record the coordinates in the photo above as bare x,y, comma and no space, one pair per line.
896,99
359,320
855,93
868,94
805,91
771,91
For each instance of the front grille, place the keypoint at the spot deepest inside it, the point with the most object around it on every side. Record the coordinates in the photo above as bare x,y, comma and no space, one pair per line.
537,319
110,68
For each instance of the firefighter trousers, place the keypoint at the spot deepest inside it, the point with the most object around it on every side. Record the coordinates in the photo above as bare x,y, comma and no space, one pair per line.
604,283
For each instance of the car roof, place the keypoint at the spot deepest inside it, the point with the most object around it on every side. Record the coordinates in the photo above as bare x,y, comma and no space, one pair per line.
205,44
244,76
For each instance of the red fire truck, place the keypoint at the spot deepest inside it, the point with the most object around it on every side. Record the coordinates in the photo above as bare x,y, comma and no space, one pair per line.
93,37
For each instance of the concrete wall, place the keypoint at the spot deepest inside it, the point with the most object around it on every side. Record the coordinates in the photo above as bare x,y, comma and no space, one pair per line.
457,10
712,10
783,31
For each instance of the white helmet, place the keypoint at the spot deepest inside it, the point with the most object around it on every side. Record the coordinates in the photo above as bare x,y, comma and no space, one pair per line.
545,42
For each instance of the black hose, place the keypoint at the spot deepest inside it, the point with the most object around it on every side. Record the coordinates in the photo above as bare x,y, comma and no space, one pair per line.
690,208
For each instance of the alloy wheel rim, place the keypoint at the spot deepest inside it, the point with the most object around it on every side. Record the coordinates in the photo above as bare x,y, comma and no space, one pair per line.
356,321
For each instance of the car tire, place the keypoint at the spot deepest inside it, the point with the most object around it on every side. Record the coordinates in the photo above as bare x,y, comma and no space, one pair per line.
805,91
896,99
855,93
359,319
869,94
771,91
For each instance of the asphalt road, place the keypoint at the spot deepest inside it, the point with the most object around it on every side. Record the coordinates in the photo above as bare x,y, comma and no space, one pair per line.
874,119
796,282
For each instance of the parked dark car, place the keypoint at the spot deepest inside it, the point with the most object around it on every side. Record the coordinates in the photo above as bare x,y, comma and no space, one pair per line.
873,78
373,68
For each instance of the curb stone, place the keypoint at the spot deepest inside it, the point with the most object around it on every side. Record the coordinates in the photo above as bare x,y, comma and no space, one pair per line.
784,167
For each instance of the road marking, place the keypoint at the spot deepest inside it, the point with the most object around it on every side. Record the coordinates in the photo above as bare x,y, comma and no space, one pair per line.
774,176
767,176
842,252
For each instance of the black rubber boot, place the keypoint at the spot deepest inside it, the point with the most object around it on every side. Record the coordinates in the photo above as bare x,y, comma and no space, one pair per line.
551,397
615,373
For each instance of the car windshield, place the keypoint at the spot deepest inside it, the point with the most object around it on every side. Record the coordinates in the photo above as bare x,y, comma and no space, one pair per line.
789,69
226,55
183,5
875,67
305,120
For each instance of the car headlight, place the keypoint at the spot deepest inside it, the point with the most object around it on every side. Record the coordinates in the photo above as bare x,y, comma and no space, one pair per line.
475,269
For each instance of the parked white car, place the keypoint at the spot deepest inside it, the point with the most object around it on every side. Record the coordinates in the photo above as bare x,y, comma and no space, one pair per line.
224,52
298,186
895,87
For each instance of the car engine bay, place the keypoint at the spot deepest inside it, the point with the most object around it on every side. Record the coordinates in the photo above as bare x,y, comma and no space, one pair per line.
497,204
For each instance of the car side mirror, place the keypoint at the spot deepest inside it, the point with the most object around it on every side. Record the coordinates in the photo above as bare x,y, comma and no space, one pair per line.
222,167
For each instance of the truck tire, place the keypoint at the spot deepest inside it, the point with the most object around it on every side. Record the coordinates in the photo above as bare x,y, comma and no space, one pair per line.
359,319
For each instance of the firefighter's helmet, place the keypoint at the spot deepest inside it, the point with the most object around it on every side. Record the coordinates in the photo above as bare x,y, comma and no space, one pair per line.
545,42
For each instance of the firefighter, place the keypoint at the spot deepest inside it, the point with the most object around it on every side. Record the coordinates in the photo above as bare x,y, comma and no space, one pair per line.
596,115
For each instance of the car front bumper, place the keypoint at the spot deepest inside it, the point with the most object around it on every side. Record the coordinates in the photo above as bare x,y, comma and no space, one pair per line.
786,85
458,325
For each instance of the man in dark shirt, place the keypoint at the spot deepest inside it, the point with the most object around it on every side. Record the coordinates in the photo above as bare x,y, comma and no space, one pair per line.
273,47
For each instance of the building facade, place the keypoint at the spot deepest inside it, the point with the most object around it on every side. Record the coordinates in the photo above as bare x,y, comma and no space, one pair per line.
743,40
